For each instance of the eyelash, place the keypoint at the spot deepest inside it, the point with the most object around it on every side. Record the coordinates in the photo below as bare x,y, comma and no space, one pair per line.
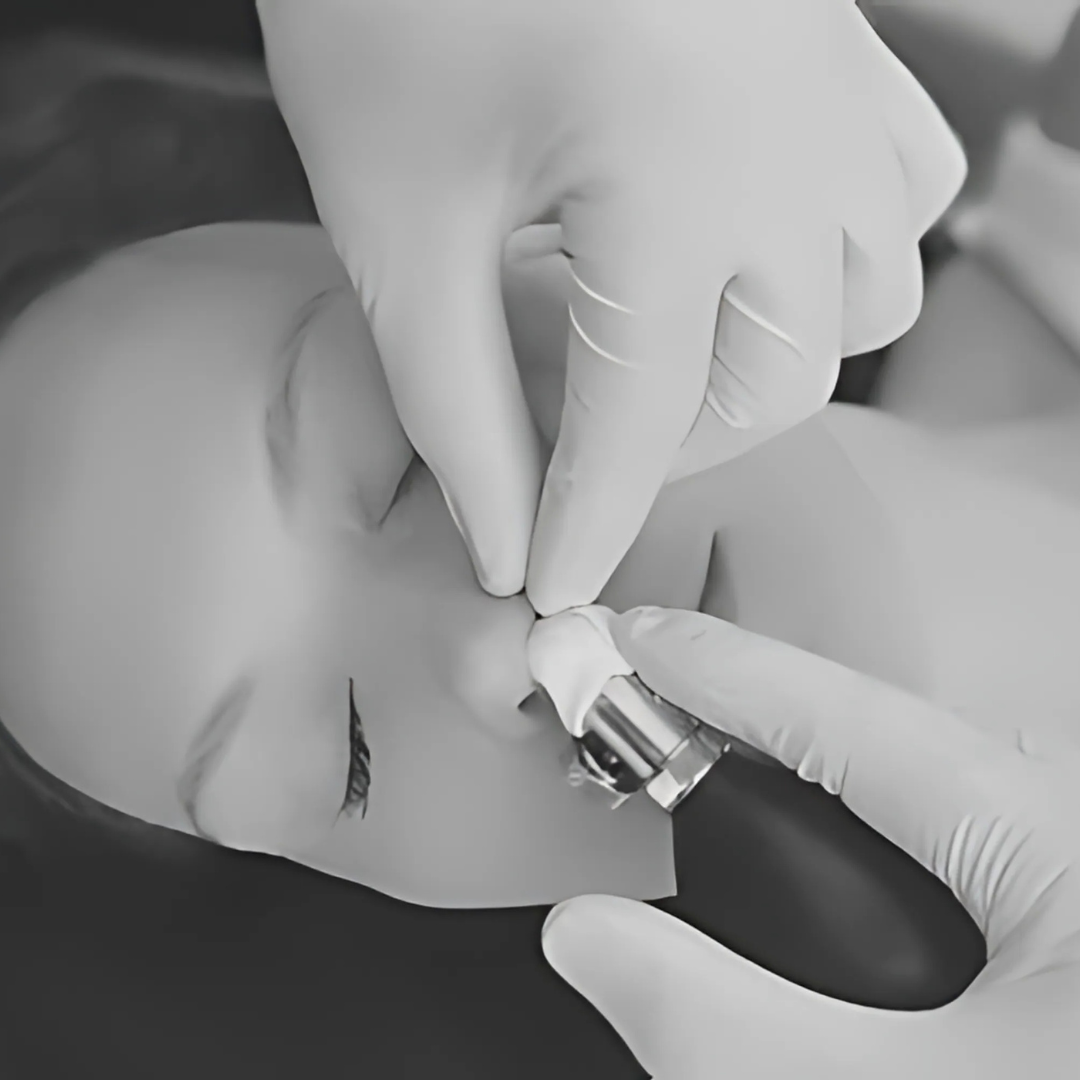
359,778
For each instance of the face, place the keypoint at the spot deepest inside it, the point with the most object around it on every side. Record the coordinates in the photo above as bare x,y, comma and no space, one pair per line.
214,525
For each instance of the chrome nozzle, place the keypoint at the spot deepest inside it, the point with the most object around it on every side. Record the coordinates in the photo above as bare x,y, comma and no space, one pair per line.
635,740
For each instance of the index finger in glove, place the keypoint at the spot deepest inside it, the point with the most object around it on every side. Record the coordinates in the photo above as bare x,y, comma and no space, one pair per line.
437,316
916,773
930,154
643,311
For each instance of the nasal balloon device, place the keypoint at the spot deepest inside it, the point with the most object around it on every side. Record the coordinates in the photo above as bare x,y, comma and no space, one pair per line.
624,737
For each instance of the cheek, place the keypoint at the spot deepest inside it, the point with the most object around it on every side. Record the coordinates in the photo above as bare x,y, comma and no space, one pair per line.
412,620
282,782
406,633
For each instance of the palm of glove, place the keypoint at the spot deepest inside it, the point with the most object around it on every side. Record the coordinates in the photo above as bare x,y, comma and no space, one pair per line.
741,187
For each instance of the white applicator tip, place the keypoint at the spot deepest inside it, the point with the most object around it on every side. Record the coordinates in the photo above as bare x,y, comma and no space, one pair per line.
572,655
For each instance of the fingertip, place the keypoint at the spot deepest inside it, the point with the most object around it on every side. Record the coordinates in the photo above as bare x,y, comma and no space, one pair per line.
548,595
497,543
555,913
500,566
572,924
583,531
563,572
499,581
561,938
548,598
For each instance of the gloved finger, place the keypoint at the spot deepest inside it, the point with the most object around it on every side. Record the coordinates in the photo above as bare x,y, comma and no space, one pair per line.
435,308
535,241
930,154
713,441
776,354
625,431
883,280
917,774
642,319
688,1007
764,379
883,289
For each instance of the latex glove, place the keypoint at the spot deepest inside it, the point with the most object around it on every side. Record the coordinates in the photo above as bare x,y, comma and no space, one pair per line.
996,821
770,151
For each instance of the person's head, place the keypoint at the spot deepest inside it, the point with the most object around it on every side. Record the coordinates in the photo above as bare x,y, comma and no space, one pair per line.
213,526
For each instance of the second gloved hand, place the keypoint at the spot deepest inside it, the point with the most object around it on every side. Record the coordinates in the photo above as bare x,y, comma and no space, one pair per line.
997,821
741,186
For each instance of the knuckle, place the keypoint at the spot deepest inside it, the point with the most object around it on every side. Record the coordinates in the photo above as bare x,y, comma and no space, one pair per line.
781,399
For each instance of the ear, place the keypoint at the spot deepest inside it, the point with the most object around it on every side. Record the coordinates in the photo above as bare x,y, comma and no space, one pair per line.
338,450
269,769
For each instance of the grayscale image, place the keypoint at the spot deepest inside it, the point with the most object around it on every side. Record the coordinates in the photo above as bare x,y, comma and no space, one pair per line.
540,538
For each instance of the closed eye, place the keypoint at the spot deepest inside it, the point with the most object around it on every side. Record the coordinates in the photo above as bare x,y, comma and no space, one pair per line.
359,779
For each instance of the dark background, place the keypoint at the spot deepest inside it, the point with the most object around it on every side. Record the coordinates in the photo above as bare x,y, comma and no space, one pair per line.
222,25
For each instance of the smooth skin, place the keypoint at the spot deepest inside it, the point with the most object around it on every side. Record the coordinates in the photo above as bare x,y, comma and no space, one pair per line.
741,185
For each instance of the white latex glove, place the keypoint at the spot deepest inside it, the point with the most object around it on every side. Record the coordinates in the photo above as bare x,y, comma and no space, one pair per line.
998,822
772,152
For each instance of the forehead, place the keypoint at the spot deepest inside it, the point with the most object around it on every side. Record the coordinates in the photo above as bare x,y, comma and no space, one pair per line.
149,563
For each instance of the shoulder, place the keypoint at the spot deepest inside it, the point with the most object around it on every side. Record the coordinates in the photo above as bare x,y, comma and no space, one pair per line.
815,553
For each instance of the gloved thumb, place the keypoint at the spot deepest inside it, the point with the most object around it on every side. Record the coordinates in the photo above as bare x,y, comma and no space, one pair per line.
687,1007
431,287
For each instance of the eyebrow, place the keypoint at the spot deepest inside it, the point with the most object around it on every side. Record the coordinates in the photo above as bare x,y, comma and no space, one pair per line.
207,748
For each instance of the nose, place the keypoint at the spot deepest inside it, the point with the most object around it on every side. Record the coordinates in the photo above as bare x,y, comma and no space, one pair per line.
490,670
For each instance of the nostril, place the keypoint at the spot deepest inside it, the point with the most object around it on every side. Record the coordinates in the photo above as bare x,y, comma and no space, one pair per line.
498,713
532,704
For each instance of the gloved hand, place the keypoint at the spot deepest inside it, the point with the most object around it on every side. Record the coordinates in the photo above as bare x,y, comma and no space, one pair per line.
998,822
770,152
